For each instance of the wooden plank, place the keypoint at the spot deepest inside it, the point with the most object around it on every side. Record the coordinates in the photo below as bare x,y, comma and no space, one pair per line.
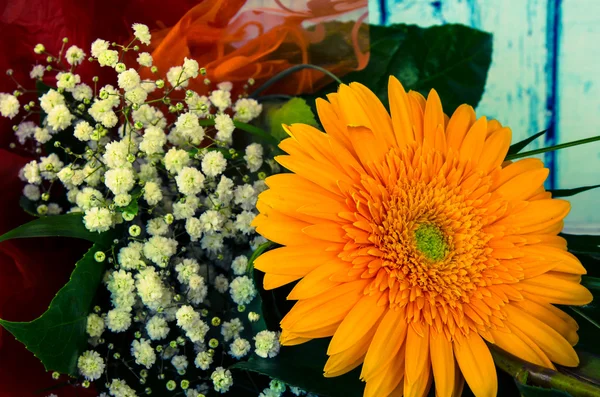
578,109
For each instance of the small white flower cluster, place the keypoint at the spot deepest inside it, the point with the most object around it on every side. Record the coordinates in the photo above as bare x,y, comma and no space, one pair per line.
156,169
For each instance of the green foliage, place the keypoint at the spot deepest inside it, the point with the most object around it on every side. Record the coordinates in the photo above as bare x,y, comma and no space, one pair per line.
58,336
517,147
296,110
453,59
556,193
534,391
302,366
68,225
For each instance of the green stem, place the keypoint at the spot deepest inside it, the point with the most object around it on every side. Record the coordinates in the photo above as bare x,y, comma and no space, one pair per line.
553,148
528,373
244,127
289,71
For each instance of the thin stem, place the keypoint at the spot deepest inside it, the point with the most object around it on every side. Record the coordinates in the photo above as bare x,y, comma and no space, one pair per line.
553,148
582,314
244,127
289,71
528,373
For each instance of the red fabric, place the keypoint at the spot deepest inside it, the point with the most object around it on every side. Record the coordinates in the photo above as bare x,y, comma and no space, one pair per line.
32,271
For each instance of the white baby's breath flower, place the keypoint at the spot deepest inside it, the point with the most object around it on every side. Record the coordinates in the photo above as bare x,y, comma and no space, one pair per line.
221,283
9,105
180,363
188,126
90,365
83,131
225,127
193,227
32,192
54,209
151,290
220,99
128,80
153,141
177,78
98,219
186,269
142,33
130,257
88,197
222,379
191,67
25,130
254,156
49,166
152,193
243,222
42,135
157,227
160,249
225,86
242,290
176,160
108,58
51,99
118,320
59,117
246,109
74,55
245,196
213,163
95,325
122,200
143,353
67,80
37,72
231,329
239,265
119,388
266,344
239,348
186,207
144,59
98,47
213,243
198,105
119,180
137,95
190,181
82,92
157,328
203,360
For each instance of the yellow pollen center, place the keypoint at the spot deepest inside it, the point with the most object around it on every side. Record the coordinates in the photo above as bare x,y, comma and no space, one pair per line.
430,242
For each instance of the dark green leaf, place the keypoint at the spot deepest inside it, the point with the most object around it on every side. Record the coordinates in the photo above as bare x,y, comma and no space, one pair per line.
302,366
582,243
58,337
517,147
256,305
571,192
588,317
453,59
68,225
534,391
293,111
553,148
28,206
588,368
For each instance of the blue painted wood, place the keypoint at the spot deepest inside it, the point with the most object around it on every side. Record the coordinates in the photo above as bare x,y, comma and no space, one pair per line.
543,75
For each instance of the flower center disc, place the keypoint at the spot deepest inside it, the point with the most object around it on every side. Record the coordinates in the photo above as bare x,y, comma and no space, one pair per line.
430,242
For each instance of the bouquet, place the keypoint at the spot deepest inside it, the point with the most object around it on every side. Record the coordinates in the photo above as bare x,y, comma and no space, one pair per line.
295,212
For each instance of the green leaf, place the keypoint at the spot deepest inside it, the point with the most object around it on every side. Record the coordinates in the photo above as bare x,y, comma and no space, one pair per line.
534,391
588,317
68,225
256,305
302,366
588,368
58,337
582,243
553,148
571,192
133,206
517,147
453,59
293,111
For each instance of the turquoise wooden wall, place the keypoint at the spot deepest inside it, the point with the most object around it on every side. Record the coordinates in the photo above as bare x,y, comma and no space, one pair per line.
544,74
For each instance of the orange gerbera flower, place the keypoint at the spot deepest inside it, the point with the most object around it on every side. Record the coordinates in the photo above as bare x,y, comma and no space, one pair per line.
415,242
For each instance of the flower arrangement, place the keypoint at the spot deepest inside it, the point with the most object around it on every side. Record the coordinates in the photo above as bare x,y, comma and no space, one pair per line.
420,247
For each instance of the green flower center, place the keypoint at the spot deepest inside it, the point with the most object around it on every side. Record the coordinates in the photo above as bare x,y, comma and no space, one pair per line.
430,242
